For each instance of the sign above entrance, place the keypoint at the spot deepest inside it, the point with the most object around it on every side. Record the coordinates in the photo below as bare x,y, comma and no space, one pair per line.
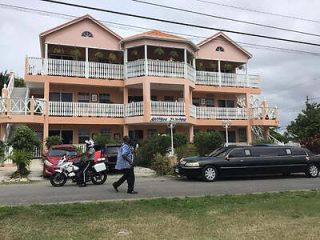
168,119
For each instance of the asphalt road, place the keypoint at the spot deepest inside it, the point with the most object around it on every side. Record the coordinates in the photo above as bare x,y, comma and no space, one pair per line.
149,187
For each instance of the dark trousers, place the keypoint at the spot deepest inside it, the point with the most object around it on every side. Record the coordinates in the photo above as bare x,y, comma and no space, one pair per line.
128,174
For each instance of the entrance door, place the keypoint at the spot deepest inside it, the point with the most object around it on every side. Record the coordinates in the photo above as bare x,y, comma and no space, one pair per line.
67,136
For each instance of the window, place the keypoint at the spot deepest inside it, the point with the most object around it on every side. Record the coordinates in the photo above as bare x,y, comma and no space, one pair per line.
87,34
210,102
84,134
83,97
298,151
247,152
226,103
154,98
152,132
288,151
242,135
237,153
203,101
196,101
104,98
168,98
220,49
105,132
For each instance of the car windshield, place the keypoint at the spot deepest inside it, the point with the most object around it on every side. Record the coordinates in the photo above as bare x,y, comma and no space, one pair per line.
220,152
61,152
112,150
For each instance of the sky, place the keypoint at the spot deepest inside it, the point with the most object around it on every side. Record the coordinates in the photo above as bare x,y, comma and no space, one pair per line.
287,77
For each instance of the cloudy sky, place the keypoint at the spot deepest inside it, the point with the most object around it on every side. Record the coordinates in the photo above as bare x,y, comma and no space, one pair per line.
287,76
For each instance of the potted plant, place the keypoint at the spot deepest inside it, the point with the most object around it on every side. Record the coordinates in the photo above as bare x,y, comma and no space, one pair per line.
58,50
158,51
112,57
173,55
75,53
99,55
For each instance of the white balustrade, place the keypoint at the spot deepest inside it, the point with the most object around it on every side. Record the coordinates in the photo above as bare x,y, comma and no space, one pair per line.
105,70
160,68
264,114
135,68
78,109
167,108
134,109
35,66
39,106
20,106
70,68
221,113
227,79
193,111
3,106
10,84
191,73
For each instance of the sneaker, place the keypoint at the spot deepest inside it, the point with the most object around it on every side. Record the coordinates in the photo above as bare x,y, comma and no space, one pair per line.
115,187
132,192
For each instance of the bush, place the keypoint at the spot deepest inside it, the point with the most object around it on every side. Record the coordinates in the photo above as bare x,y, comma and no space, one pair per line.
22,158
206,142
179,140
53,140
148,149
24,138
2,150
262,141
101,140
163,165
186,151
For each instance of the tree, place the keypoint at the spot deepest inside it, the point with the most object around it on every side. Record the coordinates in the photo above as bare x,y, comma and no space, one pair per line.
206,142
307,123
23,142
4,78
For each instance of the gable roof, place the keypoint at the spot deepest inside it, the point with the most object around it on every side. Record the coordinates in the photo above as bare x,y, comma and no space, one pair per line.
159,35
76,20
228,39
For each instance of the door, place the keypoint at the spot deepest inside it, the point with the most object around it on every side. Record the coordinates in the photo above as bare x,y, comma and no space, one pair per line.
235,163
67,136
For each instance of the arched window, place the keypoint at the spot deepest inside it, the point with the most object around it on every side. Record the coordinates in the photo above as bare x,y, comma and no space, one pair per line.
219,49
86,34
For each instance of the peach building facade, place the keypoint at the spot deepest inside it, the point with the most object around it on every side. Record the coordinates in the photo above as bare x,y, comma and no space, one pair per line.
89,81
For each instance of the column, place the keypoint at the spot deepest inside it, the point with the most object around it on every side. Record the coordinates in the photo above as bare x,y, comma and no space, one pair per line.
247,77
146,100
195,70
86,71
125,61
146,60
219,72
125,130
3,132
191,133
46,114
125,95
249,134
45,70
32,105
46,97
186,98
265,110
185,64
249,114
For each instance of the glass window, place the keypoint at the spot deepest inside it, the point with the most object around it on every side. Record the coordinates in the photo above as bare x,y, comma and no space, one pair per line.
83,97
104,98
105,132
84,134
298,151
288,151
226,103
242,135
154,98
196,101
247,152
238,152
220,49
86,34
54,96
210,102
168,98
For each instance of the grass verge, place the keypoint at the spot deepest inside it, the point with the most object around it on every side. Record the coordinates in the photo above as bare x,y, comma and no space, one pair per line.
288,215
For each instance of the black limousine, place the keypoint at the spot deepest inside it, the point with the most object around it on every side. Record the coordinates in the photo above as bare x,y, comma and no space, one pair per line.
250,160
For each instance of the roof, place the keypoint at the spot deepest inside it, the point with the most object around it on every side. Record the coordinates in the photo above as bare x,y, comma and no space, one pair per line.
227,38
74,21
159,35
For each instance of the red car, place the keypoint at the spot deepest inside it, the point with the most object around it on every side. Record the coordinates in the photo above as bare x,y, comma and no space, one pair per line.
56,152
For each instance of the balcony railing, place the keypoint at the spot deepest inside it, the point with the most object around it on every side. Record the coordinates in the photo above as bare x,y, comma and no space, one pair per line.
134,109
167,108
264,113
22,106
157,68
227,79
220,113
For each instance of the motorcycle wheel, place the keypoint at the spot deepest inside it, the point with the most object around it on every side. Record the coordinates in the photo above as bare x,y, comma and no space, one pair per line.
58,179
99,178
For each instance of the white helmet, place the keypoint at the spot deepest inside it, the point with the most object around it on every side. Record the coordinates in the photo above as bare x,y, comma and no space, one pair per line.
90,143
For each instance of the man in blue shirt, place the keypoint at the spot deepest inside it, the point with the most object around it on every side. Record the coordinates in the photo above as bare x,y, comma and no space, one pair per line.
125,164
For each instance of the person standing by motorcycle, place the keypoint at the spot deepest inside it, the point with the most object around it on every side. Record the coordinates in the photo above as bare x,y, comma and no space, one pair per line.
125,164
89,159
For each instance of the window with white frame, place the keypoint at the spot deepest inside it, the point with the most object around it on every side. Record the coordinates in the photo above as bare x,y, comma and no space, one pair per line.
220,49
87,34
84,134
104,98
83,97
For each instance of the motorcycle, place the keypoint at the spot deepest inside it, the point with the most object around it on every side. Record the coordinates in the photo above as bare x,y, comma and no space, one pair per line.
96,172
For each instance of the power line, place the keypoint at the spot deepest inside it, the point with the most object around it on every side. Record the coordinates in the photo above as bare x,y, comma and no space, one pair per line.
181,23
259,11
225,18
128,26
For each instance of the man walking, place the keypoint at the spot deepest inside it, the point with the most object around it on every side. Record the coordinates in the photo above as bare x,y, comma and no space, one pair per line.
125,164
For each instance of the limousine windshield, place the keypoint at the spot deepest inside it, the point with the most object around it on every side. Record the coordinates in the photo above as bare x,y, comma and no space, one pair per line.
219,152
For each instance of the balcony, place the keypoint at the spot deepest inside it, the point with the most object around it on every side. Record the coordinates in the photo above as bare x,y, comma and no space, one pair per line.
167,108
227,79
218,113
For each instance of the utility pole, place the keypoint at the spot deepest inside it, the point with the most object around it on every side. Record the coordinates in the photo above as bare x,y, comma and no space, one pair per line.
226,124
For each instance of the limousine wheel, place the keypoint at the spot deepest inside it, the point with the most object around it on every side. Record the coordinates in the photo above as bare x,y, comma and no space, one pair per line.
312,171
209,173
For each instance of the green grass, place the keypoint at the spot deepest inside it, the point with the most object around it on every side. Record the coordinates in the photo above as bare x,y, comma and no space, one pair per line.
289,215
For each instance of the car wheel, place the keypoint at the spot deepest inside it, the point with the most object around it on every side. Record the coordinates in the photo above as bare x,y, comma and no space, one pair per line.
58,179
99,178
209,174
312,171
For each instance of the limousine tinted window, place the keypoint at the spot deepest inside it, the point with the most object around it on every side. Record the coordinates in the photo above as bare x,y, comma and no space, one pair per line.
298,151
238,152
268,151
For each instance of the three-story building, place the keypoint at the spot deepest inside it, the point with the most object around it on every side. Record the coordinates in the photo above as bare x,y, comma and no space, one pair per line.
89,81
